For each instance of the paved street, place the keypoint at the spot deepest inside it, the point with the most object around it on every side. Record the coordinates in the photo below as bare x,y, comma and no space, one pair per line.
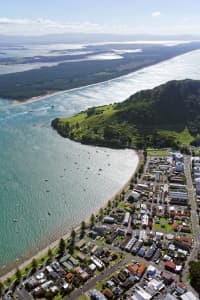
192,201
194,219
155,198
195,227
22,294
96,280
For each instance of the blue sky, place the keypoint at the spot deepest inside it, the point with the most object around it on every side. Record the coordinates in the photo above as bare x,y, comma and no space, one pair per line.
36,17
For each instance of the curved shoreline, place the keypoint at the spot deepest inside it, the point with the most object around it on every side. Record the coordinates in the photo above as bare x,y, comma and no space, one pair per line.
16,102
8,273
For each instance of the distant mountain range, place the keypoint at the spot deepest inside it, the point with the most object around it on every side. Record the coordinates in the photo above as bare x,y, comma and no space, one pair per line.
166,116
91,38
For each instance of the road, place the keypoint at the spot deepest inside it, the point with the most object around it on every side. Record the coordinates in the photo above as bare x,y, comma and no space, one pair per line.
94,281
194,217
192,201
22,294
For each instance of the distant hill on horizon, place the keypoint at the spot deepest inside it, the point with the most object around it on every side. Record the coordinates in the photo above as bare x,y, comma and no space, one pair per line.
166,116
73,71
91,38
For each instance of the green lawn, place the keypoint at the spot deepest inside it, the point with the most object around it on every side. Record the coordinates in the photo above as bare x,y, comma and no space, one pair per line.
183,137
167,228
58,297
28,267
83,297
100,286
101,239
123,205
119,238
157,152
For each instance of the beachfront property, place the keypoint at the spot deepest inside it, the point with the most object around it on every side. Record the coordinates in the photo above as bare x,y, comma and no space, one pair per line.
139,246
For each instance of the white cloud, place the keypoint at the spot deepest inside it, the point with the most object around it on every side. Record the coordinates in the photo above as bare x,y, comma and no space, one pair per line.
156,14
41,26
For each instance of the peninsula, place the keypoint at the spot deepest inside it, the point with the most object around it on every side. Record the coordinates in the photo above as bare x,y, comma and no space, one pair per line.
166,116
77,71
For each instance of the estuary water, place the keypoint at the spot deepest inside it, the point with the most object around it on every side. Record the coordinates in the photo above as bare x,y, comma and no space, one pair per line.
49,184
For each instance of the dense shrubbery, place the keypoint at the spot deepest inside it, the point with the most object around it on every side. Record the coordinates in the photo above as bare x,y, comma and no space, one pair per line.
195,275
151,118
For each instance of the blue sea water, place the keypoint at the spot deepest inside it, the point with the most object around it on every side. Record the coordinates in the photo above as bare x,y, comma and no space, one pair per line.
49,184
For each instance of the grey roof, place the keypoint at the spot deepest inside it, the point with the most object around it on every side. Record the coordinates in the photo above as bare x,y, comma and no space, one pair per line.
169,297
189,296
97,295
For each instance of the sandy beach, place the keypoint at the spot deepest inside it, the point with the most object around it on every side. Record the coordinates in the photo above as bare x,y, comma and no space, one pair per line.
43,97
9,271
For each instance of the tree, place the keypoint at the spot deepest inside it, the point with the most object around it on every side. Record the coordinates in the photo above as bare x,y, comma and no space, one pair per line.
194,267
72,242
73,234
154,211
90,111
77,125
145,154
92,219
61,247
101,212
34,263
110,133
141,168
71,247
109,204
50,253
18,274
1,288
131,186
83,227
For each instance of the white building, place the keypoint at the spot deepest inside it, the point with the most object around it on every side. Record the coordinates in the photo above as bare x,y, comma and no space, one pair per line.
145,220
197,184
140,294
126,218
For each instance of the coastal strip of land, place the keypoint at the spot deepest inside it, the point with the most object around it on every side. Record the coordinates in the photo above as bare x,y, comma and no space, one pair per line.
66,76
6,273
131,246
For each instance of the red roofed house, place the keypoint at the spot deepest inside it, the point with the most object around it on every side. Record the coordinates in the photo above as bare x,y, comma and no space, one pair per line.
69,277
170,266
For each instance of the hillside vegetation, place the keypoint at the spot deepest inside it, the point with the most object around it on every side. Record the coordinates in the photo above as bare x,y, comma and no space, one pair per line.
166,116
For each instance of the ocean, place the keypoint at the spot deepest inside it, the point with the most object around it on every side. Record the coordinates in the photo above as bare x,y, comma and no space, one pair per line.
49,184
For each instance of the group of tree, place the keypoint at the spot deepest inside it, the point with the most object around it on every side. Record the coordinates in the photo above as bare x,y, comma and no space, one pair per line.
150,118
71,244
1,289
82,230
61,246
194,269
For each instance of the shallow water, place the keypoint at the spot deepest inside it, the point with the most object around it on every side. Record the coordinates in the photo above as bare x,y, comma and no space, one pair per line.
49,184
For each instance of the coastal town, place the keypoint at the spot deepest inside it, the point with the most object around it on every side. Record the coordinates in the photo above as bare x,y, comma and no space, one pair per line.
99,150
138,247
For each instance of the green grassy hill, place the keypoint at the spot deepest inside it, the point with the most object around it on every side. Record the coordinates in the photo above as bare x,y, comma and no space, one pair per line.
166,116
